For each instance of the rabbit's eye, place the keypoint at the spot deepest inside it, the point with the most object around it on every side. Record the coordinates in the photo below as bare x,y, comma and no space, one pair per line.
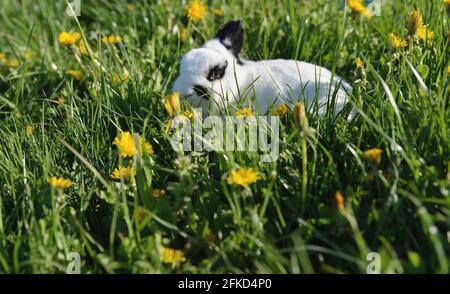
217,72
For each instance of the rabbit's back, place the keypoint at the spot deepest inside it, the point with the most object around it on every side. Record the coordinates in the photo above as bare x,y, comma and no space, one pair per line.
285,81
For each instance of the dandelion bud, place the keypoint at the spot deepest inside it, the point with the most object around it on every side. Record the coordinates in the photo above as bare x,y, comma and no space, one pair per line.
282,111
373,155
272,176
300,116
359,63
172,104
339,200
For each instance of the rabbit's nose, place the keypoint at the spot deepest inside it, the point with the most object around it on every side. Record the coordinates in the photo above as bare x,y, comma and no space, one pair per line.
201,91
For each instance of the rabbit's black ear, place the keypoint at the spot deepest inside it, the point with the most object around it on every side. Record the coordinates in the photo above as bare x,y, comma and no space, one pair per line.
231,35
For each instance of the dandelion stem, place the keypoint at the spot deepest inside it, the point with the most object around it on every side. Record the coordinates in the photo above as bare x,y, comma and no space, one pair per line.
304,173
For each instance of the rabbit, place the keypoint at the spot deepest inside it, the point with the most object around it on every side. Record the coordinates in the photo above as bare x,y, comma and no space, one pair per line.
215,76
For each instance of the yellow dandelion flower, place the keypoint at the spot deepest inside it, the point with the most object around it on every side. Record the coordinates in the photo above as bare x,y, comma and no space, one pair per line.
125,142
29,130
425,34
114,39
243,112
60,183
415,22
61,100
119,79
218,12
12,63
130,7
126,76
397,42
373,155
2,57
111,39
68,39
116,79
172,256
172,103
448,68
76,74
447,2
359,63
339,200
282,110
82,47
358,7
196,10
418,28
28,55
148,147
123,173
243,177
159,193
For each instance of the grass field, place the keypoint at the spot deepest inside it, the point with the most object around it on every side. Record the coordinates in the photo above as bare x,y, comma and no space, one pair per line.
322,207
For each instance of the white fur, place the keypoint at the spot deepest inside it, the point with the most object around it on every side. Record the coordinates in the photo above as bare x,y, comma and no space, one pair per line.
274,81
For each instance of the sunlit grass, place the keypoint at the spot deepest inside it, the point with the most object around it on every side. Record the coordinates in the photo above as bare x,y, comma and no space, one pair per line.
378,183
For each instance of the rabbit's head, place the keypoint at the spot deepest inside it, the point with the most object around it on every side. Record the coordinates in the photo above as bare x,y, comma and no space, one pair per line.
208,74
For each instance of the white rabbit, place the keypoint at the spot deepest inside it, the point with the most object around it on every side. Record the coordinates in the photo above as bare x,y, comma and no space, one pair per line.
214,76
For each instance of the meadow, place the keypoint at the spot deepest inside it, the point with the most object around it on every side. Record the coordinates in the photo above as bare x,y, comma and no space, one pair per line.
342,195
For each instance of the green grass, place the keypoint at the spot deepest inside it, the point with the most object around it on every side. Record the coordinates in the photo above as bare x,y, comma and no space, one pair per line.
399,209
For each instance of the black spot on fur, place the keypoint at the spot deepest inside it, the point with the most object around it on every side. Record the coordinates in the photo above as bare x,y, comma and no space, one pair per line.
201,91
217,72
231,35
